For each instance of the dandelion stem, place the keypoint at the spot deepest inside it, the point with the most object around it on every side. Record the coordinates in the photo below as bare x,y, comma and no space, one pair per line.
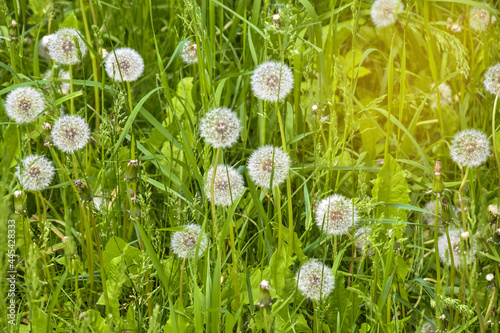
464,216
436,254
452,271
72,100
495,152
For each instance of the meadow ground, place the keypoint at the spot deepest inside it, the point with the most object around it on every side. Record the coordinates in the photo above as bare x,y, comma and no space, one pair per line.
249,166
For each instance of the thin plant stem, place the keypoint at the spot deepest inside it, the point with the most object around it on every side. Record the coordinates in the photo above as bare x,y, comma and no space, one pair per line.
436,255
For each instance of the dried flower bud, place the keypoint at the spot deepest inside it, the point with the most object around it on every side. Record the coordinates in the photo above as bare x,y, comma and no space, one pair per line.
492,213
130,174
265,299
438,185
83,190
465,235
19,203
14,23
490,277
47,126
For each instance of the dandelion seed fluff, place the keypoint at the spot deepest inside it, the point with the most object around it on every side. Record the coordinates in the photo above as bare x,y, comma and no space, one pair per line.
35,173
228,185
43,45
184,242
272,81
384,12
361,240
445,96
335,215
61,87
315,280
189,53
24,104
268,164
470,148
492,79
70,133
63,47
124,63
427,328
444,252
479,18
220,128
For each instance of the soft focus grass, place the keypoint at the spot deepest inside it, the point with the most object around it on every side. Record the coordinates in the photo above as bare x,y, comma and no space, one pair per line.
374,128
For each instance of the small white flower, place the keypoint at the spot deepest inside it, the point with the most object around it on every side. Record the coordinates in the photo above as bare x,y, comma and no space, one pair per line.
125,63
63,47
335,215
445,96
384,12
35,173
490,277
61,87
444,252
70,133
228,185
480,18
470,148
492,80
184,243
24,104
268,166
220,128
189,53
315,280
272,81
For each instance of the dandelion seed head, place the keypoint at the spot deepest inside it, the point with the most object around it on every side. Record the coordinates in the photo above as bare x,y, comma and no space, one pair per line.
70,133
184,242
445,96
268,163
361,239
444,252
43,45
315,280
63,47
492,79
427,328
220,128
272,81
61,87
189,53
470,148
384,12
24,104
335,215
35,173
125,63
479,18
228,185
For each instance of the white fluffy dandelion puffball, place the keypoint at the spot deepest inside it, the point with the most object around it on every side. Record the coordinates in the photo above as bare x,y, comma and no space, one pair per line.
24,104
63,47
492,79
479,18
445,96
444,251
183,243
220,128
384,12
70,133
228,185
61,87
124,63
361,240
272,81
189,53
35,173
268,166
335,215
470,148
315,280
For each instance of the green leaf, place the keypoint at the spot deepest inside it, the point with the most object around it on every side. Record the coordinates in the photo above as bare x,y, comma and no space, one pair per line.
391,187
70,22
